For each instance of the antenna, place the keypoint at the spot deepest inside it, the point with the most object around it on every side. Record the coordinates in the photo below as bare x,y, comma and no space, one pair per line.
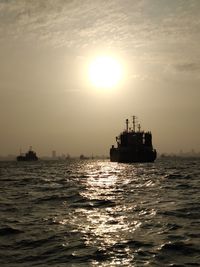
127,125
139,127
134,120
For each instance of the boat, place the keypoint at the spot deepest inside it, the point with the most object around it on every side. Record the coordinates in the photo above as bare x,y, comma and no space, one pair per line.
29,156
133,145
83,157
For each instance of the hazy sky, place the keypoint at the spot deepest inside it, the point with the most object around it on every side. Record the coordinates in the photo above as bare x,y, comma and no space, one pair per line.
46,99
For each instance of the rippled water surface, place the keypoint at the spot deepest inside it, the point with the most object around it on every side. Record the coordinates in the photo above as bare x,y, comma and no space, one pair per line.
98,213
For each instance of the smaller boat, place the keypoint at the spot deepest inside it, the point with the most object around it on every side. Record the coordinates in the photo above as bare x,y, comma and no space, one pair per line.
29,156
83,157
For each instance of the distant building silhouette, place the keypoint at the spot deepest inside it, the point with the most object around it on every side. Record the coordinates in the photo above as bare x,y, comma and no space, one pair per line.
53,154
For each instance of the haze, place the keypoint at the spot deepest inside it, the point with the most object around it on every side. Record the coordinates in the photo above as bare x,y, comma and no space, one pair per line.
46,99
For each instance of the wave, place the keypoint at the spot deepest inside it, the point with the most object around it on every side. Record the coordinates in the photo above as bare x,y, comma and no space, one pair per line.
179,247
5,231
100,213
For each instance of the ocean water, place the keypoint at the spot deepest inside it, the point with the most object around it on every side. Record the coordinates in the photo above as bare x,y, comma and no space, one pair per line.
98,213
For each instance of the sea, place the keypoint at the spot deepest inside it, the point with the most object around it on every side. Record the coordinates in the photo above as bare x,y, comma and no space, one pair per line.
100,213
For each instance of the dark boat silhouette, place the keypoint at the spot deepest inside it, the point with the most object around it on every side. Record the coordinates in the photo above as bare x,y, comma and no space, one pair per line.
133,146
29,156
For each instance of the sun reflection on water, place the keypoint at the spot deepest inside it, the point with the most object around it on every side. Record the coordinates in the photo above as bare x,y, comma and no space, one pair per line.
104,216
105,224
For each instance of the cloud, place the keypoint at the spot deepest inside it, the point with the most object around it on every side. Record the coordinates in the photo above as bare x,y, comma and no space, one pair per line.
150,31
79,22
188,67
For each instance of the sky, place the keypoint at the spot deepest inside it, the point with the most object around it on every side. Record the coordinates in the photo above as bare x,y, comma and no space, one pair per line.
47,100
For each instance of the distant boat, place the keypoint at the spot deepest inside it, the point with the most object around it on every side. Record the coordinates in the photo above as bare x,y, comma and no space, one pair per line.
83,157
29,156
133,146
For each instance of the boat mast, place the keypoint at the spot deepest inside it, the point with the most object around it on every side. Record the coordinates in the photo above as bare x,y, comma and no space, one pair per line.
134,119
127,125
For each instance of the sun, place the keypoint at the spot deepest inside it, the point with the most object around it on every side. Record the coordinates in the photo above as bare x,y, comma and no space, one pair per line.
105,72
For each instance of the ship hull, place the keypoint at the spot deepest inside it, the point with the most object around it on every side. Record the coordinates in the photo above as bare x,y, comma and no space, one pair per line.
133,146
128,155
23,158
29,156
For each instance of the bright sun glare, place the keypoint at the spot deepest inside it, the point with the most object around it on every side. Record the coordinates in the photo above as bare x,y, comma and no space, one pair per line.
105,72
